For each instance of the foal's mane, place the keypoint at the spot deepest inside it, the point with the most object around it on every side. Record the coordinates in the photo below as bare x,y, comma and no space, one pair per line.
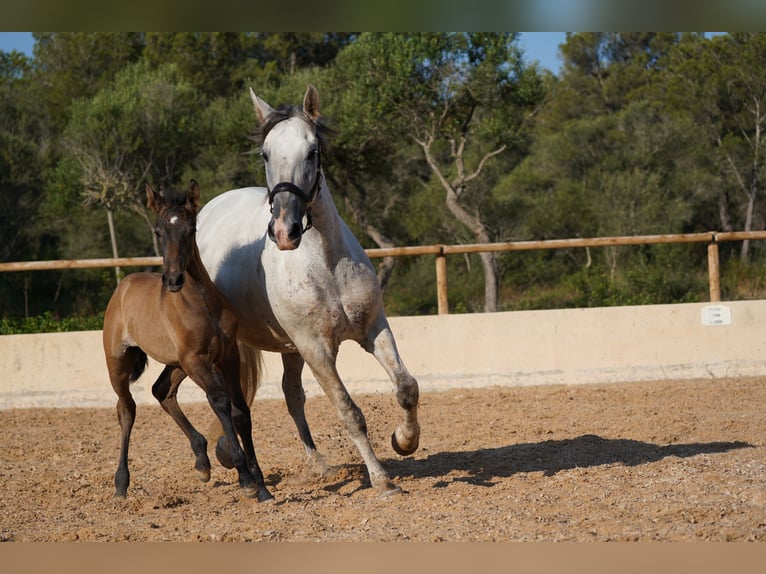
285,112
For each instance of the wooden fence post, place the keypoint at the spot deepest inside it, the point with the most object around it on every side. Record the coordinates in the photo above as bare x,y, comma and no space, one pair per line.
441,283
714,271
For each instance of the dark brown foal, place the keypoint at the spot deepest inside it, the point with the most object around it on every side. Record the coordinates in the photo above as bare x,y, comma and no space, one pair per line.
179,319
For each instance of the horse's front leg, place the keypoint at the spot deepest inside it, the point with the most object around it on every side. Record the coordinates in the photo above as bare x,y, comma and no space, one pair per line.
295,397
165,390
210,379
406,437
241,417
324,369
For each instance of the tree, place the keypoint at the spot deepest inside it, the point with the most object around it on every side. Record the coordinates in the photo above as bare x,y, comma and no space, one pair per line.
462,99
143,127
610,157
722,83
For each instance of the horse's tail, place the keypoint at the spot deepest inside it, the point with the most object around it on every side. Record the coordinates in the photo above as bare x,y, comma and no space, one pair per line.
250,366
139,366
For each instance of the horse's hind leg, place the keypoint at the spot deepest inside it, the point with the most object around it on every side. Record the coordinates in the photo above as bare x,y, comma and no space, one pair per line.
165,390
295,397
120,368
406,437
126,414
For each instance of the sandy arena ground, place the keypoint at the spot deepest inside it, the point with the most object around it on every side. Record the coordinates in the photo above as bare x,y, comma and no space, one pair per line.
669,461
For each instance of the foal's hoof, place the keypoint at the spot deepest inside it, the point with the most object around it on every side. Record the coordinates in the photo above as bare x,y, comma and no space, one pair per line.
261,494
404,447
203,474
222,453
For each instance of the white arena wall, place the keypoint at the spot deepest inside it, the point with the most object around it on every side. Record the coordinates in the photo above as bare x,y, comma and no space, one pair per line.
566,347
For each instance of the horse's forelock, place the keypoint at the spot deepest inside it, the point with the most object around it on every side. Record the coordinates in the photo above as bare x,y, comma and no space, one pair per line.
285,112
175,199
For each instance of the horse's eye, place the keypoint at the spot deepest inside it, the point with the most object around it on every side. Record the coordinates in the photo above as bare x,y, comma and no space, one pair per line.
265,156
313,154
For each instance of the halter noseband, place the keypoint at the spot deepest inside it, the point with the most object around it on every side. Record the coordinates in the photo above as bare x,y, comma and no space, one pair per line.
308,199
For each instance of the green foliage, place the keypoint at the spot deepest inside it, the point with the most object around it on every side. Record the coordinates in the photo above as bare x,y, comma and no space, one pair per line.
48,323
642,133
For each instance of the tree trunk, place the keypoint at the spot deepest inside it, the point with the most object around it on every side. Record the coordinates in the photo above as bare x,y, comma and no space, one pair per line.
472,222
744,255
113,237
723,213
488,260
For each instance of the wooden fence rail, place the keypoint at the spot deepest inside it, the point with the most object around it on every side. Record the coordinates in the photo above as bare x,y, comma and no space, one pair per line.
712,238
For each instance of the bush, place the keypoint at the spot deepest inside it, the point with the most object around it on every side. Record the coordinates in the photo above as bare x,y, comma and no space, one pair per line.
49,323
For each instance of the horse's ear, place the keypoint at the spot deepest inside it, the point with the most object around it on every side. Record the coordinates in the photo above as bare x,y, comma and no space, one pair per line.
311,102
192,196
153,199
262,109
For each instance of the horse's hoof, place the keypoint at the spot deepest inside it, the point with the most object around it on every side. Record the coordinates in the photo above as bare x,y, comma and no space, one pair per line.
401,448
260,494
222,453
318,465
250,491
389,489
265,496
203,474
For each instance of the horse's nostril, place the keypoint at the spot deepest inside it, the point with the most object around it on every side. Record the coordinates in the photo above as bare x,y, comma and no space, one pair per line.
173,282
270,230
295,230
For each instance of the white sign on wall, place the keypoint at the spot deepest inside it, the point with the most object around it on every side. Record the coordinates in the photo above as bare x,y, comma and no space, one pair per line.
714,315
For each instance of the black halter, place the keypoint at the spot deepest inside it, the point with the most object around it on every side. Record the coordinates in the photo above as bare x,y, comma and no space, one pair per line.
308,198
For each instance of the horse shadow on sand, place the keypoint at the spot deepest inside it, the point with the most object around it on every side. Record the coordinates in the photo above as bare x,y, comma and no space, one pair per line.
484,466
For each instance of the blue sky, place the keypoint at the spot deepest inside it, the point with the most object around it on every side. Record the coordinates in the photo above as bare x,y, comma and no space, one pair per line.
540,46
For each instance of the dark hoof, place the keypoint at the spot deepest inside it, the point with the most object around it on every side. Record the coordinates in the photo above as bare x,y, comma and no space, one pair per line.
403,451
261,494
222,453
265,496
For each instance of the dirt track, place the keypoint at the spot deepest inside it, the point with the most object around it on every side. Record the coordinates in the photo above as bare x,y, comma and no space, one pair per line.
671,461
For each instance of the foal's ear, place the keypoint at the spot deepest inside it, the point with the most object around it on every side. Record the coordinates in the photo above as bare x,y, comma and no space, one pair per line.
153,199
192,196
262,109
311,102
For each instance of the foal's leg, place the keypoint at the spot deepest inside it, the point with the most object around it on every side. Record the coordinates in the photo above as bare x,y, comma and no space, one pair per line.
120,368
211,380
165,390
295,397
381,344
322,363
240,415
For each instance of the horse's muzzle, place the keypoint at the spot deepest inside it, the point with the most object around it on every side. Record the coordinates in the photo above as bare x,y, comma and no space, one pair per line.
174,282
286,237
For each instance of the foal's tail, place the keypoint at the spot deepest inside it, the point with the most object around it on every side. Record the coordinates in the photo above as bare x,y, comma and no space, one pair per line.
250,367
139,365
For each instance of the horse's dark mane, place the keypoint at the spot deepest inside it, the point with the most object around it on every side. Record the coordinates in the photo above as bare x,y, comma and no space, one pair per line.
285,112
